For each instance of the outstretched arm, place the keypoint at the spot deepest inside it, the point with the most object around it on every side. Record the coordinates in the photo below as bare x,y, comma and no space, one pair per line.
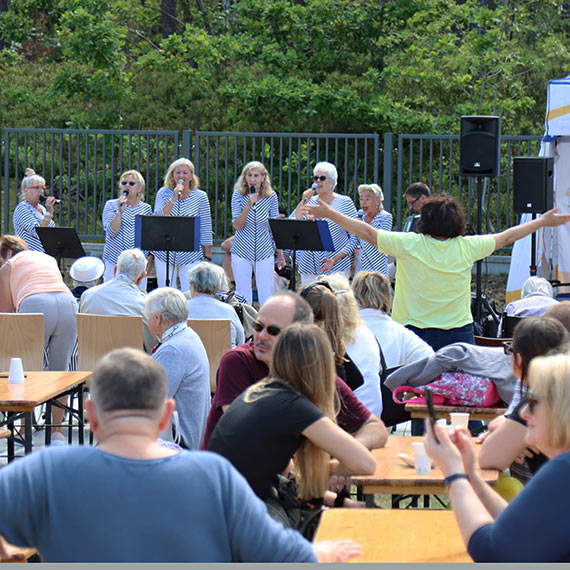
547,220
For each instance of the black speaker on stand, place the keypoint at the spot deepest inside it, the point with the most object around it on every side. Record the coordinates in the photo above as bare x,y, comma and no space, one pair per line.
480,154
533,191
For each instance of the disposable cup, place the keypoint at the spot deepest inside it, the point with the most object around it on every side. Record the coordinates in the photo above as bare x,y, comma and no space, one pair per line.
421,459
16,374
459,419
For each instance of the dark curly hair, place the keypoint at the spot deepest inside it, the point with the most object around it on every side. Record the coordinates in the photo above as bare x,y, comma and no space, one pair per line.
442,216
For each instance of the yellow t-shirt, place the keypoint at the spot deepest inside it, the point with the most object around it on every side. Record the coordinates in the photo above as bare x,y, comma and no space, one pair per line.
433,280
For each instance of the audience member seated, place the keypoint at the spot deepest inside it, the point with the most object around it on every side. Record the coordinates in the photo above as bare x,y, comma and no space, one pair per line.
337,312
206,279
131,500
399,344
505,445
122,295
184,358
535,525
85,273
292,413
536,299
247,364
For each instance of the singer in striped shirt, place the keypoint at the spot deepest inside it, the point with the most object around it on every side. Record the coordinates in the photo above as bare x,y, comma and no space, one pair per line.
30,213
253,203
367,256
119,220
314,263
181,196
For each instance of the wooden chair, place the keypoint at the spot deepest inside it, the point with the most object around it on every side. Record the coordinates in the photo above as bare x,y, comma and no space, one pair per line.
98,335
22,335
489,341
216,336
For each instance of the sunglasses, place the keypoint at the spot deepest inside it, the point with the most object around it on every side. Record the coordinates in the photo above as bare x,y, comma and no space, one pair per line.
306,290
508,347
271,329
321,178
532,401
129,182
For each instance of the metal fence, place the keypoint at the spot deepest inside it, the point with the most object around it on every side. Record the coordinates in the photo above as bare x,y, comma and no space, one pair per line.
82,167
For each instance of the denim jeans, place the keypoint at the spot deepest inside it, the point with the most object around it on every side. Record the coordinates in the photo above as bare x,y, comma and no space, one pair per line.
438,338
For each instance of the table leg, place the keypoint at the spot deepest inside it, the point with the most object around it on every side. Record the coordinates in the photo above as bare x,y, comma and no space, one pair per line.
10,442
28,438
369,499
48,423
81,415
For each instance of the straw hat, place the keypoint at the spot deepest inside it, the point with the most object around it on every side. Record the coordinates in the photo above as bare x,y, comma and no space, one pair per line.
86,269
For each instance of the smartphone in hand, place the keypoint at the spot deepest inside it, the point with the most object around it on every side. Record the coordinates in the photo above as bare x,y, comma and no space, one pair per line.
431,410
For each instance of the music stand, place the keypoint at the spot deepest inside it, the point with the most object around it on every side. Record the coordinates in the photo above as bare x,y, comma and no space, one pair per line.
60,243
167,233
306,235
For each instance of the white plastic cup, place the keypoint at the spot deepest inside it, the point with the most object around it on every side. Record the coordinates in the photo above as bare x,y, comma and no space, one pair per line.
421,459
459,419
16,374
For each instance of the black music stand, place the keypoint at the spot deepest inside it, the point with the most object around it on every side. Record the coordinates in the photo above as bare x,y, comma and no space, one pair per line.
167,233
306,235
61,243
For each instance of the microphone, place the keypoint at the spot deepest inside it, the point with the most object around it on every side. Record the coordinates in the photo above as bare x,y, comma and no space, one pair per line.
252,189
314,187
43,199
125,192
181,183
360,213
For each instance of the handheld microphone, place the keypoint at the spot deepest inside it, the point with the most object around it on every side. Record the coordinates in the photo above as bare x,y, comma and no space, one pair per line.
252,190
360,213
314,187
43,199
181,183
125,192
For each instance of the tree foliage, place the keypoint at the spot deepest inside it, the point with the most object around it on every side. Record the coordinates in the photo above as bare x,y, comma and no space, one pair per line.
292,65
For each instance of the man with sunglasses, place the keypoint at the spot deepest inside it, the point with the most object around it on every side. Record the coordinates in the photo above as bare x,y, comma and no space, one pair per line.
246,364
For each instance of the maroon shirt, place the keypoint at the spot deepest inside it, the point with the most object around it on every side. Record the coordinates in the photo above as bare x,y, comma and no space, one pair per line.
239,369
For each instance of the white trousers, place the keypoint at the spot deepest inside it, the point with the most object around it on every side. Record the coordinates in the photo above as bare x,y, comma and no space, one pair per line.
243,269
174,272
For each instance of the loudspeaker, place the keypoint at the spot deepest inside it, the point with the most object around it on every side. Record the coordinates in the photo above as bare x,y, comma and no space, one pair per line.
533,184
479,146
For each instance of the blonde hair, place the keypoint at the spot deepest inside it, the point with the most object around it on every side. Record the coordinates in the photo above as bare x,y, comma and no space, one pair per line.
375,190
30,179
139,178
347,304
372,291
549,381
242,185
169,181
302,359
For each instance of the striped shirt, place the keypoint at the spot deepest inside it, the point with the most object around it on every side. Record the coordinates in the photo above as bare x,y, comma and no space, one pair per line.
197,204
254,241
311,261
370,259
26,220
115,243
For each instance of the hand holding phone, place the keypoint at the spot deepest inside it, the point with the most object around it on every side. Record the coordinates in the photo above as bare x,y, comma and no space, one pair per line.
431,410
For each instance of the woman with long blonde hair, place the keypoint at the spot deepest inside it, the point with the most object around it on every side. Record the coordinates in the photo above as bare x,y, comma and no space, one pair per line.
291,412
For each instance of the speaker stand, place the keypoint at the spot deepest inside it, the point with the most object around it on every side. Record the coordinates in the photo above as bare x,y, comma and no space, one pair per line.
480,300
533,250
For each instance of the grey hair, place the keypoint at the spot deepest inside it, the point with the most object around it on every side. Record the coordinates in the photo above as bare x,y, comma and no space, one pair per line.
373,189
329,168
30,179
207,278
131,263
168,302
537,285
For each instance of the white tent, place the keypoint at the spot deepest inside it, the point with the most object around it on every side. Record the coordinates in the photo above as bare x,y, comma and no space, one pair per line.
551,244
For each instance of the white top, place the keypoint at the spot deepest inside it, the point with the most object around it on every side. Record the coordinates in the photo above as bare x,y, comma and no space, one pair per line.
399,344
206,307
365,354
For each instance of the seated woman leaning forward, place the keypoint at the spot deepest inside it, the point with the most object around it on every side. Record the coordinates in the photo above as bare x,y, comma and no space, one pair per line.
291,413
535,526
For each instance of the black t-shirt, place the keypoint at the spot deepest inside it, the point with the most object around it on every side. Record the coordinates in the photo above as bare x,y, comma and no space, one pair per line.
260,437
536,461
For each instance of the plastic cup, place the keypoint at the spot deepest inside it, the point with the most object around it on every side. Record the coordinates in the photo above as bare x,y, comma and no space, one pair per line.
421,459
459,419
16,374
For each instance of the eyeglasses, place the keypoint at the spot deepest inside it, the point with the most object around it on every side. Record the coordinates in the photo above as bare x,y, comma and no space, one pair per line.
271,329
532,401
508,347
321,178
129,182
410,204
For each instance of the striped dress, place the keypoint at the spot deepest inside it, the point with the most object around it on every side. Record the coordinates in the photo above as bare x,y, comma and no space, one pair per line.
115,243
197,204
310,262
254,241
26,220
370,259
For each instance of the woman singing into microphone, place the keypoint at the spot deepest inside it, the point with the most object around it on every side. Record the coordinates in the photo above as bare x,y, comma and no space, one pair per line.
253,203
181,196
34,210
119,220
